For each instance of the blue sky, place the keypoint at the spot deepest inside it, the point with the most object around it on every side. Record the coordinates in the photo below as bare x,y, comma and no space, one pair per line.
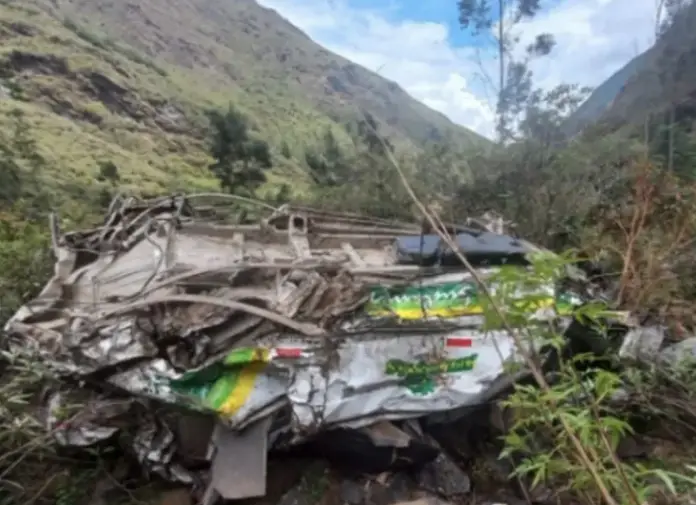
420,45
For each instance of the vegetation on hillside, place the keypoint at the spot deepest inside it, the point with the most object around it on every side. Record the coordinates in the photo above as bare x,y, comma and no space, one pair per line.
97,80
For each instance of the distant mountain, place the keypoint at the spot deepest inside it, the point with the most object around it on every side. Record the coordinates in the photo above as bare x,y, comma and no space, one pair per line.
663,76
129,81
602,97
668,77
254,50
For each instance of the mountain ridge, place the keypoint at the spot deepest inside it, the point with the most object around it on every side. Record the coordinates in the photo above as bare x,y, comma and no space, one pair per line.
130,82
602,97
647,86
213,30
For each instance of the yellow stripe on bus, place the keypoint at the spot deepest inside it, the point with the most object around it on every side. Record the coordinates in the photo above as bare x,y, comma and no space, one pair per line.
471,310
243,389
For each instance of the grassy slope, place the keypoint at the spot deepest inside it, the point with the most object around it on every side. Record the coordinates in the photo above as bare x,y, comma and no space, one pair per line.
90,96
255,51
87,103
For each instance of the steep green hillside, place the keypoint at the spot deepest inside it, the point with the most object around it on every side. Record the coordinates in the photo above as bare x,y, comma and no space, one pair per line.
240,44
129,82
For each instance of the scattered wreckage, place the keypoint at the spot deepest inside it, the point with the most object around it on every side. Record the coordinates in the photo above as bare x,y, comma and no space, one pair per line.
209,343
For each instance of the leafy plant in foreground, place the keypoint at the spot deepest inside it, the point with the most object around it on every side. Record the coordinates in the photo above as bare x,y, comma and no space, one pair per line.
578,405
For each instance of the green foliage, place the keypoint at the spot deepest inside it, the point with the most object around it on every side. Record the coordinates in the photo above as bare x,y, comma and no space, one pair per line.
23,169
364,181
282,195
330,166
368,132
546,112
285,150
25,266
24,262
146,113
25,144
672,139
111,45
10,177
240,160
441,168
108,171
565,432
23,439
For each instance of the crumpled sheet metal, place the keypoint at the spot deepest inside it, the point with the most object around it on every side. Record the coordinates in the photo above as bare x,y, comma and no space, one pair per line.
250,320
363,376
400,377
155,448
366,379
78,417
96,419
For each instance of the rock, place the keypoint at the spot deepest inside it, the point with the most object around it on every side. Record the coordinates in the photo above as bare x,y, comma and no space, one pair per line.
283,474
169,118
463,431
369,452
642,343
542,494
193,432
424,500
390,488
107,489
444,478
175,497
36,63
630,447
23,29
311,487
681,351
383,490
352,492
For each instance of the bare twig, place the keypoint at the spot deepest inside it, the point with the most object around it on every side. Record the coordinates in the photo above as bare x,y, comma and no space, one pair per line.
41,490
537,374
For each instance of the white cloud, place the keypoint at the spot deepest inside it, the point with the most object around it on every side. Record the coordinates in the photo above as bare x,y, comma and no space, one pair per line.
594,39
